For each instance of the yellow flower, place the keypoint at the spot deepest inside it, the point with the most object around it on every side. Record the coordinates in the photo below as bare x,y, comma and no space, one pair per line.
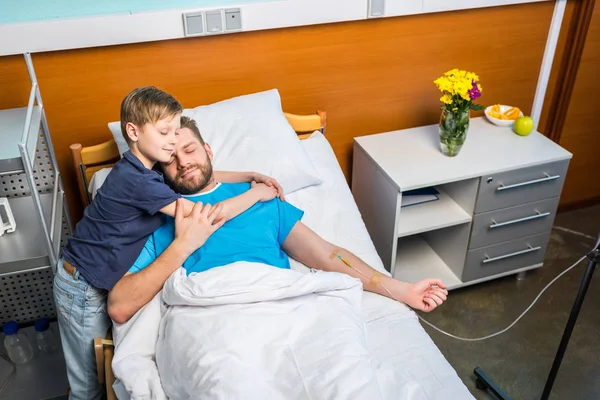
456,82
443,84
447,99
472,76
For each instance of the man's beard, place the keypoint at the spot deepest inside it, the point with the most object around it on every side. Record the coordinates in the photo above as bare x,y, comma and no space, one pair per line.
194,185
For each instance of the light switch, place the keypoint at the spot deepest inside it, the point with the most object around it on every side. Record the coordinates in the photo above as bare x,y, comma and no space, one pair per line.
193,24
233,19
214,21
376,8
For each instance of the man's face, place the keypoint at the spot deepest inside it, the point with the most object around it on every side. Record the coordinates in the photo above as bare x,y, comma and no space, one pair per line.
190,168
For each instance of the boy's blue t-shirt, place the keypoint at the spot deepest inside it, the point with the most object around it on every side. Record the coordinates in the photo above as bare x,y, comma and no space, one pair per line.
255,235
117,223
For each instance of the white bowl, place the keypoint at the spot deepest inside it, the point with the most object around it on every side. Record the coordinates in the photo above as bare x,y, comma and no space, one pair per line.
500,122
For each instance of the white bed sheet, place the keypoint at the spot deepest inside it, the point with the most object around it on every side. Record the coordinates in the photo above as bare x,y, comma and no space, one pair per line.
395,337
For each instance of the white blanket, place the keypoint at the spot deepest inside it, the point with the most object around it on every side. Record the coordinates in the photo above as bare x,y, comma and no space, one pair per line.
249,330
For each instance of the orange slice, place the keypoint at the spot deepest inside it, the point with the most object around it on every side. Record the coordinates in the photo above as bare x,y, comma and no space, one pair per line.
512,113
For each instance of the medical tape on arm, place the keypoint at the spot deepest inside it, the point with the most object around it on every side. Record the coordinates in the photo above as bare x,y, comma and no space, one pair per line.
375,278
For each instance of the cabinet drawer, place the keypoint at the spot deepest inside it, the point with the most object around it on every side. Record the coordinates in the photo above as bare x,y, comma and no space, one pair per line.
520,186
511,223
503,257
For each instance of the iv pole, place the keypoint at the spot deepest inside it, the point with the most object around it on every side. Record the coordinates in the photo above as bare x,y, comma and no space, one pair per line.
484,382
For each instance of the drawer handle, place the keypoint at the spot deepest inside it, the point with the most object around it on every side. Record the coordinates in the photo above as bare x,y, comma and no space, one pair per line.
516,221
516,185
516,253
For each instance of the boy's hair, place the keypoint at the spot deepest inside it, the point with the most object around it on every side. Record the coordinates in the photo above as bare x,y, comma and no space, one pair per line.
147,104
187,122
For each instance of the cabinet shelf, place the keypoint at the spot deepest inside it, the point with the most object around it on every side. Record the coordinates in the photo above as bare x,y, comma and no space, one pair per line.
441,213
25,248
416,260
12,124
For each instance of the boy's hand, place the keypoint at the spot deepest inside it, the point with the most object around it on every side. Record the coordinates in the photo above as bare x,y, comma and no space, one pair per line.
264,192
267,180
193,231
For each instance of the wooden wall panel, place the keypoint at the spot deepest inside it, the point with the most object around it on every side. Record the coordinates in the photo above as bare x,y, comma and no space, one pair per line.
370,76
14,82
581,132
556,66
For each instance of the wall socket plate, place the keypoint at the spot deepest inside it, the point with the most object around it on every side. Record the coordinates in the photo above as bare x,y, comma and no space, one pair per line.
376,9
233,19
194,24
214,22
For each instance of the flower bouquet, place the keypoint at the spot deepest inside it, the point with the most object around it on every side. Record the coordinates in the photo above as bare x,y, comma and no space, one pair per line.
459,89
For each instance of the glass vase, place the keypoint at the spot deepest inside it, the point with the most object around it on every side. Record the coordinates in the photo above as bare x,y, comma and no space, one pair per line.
454,126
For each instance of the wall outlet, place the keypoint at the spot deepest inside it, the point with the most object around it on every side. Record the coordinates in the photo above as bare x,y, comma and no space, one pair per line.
214,21
193,24
233,19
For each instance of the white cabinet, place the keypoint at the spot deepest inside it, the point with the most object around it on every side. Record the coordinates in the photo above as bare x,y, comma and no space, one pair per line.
497,201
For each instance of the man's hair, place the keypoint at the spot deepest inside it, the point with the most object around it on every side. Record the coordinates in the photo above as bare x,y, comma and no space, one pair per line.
147,104
189,123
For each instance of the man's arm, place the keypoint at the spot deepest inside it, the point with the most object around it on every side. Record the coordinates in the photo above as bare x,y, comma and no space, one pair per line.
313,251
134,291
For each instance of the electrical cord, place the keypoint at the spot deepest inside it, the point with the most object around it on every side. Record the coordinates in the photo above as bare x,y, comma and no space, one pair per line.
7,379
515,321
376,279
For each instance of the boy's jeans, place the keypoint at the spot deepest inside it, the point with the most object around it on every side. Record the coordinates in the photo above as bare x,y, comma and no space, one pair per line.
82,316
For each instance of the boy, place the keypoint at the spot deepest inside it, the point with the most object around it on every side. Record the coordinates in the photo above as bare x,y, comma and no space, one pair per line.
114,229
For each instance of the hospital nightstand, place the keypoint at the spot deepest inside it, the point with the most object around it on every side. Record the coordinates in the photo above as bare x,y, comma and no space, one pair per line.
496,207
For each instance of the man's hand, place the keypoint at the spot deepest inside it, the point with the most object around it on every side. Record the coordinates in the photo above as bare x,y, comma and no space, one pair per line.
425,295
271,182
263,191
191,232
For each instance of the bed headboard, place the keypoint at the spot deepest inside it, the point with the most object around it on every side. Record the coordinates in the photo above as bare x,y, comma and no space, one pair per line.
90,159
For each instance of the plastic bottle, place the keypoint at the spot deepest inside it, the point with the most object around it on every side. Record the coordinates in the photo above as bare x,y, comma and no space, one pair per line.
44,337
17,345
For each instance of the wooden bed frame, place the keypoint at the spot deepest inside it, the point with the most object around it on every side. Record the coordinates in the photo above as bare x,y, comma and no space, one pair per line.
88,160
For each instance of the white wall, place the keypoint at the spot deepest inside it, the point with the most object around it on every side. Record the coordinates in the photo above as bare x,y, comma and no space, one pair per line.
50,35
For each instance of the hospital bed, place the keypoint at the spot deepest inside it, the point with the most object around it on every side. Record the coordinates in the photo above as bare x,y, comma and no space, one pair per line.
395,338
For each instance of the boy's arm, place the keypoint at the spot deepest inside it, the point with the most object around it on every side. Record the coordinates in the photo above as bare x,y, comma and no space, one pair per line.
240,177
234,206
233,177
186,205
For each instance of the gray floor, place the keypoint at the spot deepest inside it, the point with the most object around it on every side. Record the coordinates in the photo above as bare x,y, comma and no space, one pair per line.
520,359
44,377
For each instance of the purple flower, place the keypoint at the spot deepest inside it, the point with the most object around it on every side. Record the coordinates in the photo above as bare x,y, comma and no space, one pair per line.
474,92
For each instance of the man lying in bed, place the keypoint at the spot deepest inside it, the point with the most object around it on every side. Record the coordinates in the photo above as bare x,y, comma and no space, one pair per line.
268,233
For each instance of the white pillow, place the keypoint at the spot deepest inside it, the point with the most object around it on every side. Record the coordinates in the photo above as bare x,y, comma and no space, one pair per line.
251,133
115,129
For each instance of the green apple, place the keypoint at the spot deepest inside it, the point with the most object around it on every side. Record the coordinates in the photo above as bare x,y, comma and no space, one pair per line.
523,125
